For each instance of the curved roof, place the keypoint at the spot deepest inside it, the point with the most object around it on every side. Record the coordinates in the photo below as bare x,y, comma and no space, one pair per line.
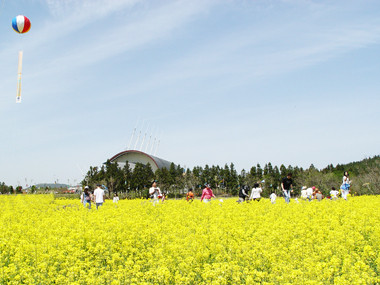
139,156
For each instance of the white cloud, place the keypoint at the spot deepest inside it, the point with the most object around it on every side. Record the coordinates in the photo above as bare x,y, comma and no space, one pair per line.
205,54
154,23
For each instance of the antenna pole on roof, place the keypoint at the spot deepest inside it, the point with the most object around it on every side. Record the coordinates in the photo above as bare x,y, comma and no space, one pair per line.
157,147
138,138
154,143
142,143
147,146
150,146
130,141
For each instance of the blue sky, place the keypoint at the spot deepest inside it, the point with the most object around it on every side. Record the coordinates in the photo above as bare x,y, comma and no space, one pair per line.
287,82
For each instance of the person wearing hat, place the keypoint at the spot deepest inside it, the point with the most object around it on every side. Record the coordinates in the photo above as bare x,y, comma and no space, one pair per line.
99,196
86,197
315,191
207,194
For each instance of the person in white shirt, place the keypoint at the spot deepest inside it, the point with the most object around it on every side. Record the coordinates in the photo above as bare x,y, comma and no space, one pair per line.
115,198
304,193
309,193
155,193
273,197
334,193
255,193
99,196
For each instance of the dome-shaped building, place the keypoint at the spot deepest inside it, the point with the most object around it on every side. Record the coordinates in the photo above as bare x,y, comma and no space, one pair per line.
135,156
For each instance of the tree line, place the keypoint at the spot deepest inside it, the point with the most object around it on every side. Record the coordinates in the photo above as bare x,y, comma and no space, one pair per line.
227,181
5,189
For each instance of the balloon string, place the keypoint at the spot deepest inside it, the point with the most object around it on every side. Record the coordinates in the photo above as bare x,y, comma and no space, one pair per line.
2,6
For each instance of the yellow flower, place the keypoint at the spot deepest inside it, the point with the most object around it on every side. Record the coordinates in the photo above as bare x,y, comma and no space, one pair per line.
45,241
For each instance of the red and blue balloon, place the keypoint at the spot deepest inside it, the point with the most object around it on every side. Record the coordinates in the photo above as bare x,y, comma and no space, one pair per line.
21,24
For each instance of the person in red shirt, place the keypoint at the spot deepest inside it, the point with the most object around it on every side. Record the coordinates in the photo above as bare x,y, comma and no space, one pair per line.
207,194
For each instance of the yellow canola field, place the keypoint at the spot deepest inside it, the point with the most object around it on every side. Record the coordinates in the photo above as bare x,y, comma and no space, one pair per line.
47,241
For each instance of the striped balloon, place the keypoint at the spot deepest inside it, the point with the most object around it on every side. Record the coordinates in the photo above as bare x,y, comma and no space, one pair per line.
21,24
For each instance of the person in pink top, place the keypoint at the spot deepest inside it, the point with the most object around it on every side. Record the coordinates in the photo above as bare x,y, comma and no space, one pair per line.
207,194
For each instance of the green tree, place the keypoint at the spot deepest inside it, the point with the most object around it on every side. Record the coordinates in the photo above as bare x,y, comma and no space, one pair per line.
142,176
259,172
283,171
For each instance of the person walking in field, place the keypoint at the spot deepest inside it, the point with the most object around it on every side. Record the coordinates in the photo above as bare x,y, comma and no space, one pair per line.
115,198
243,193
99,196
207,194
287,186
256,192
155,193
190,195
86,197
345,187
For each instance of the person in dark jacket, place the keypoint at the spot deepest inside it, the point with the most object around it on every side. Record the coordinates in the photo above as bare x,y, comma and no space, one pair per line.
243,193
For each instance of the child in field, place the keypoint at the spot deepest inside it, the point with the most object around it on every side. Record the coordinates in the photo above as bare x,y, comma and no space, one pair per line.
315,191
334,193
115,198
273,197
190,195
319,195
163,197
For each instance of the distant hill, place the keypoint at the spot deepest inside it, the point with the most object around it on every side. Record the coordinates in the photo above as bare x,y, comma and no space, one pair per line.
364,173
355,168
51,185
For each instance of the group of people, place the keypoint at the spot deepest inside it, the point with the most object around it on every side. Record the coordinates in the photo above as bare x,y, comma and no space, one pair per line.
313,192
156,195
97,197
287,188
254,196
